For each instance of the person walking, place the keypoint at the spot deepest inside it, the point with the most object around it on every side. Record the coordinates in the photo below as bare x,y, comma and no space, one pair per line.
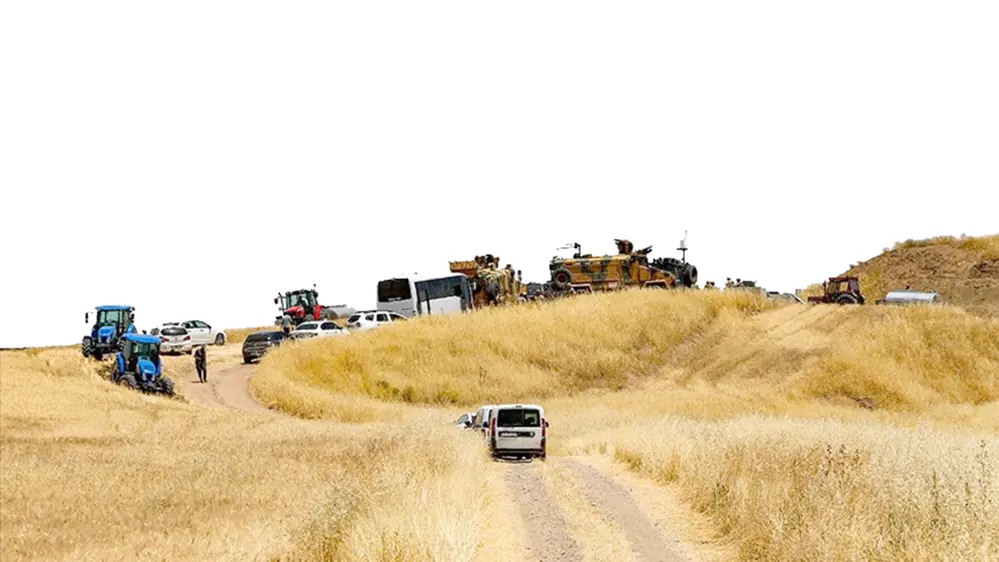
199,363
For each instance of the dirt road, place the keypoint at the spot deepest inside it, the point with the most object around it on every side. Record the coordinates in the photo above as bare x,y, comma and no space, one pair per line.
227,387
565,509
573,509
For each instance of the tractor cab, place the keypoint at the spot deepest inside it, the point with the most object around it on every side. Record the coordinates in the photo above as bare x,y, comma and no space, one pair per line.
138,364
301,305
840,290
111,322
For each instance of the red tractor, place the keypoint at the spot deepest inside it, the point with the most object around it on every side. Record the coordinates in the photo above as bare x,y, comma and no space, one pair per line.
840,290
300,306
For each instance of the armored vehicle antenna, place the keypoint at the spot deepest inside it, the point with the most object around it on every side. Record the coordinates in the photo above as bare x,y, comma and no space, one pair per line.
683,247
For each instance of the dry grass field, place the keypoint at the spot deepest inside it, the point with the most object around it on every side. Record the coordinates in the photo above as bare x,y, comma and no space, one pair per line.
92,471
787,432
804,432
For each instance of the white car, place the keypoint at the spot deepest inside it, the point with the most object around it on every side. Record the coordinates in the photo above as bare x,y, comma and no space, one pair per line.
518,430
368,319
480,421
176,339
201,333
465,420
325,329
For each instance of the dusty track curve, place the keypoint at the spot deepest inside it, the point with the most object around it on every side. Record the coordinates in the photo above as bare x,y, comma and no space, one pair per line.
226,388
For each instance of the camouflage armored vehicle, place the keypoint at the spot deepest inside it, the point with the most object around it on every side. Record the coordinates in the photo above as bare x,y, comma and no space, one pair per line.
628,268
491,285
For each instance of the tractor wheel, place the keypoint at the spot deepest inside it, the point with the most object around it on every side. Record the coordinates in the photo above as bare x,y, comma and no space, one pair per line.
87,347
166,386
115,373
220,339
846,299
128,379
561,278
98,355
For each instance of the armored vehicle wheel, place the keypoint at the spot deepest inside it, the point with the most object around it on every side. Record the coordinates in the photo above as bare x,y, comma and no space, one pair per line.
846,299
561,278
128,379
689,275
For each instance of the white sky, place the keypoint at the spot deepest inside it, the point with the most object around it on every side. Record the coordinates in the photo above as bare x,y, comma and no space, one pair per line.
194,158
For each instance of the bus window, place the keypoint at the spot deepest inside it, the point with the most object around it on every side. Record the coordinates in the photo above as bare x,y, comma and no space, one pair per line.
391,290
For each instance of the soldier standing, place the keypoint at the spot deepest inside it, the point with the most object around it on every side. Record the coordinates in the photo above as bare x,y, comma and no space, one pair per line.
199,363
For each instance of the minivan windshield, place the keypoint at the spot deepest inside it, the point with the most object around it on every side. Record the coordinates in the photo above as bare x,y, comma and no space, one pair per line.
526,417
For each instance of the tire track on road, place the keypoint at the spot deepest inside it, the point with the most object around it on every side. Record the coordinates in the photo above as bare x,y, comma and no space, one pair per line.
620,509
548,538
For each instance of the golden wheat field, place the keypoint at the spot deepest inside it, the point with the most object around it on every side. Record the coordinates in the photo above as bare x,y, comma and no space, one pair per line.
790,432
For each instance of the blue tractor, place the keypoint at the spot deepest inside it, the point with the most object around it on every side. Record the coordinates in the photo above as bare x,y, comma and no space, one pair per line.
138,365
111,322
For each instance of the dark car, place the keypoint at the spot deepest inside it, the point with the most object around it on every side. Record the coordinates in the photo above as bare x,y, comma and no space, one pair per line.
256,345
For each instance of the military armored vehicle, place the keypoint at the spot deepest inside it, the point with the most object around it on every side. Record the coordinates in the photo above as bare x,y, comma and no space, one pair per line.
627,268
490,284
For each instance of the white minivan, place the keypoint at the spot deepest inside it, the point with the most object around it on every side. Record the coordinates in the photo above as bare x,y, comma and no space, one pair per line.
518,430
480,421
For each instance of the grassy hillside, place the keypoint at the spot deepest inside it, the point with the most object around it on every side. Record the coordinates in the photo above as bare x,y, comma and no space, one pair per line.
805,432
964,270
89,470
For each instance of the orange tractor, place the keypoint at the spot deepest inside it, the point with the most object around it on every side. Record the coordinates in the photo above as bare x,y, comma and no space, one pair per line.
840,290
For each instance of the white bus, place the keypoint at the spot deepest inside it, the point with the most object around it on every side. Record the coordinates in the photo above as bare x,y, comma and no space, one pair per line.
426,297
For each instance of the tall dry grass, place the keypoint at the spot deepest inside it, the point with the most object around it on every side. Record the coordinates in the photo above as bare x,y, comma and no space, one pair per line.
90,470
537,351
805,432
793,489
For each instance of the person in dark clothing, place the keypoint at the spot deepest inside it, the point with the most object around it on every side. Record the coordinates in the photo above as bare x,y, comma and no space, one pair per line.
199,363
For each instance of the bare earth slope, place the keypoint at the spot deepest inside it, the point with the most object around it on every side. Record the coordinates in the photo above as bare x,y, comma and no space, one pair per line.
965,271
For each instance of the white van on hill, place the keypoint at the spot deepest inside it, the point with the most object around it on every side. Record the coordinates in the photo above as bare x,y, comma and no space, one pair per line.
518,430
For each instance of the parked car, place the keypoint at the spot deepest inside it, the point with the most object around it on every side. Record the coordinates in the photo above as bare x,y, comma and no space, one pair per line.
201,333
368,319
465,420
307,330
517,430
258,344
480,422
175,339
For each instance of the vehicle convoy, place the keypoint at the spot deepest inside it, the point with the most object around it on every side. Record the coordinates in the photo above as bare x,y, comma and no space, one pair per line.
840,290
517,430
256,345
301,305
628,268
111,322
490,284
138,365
